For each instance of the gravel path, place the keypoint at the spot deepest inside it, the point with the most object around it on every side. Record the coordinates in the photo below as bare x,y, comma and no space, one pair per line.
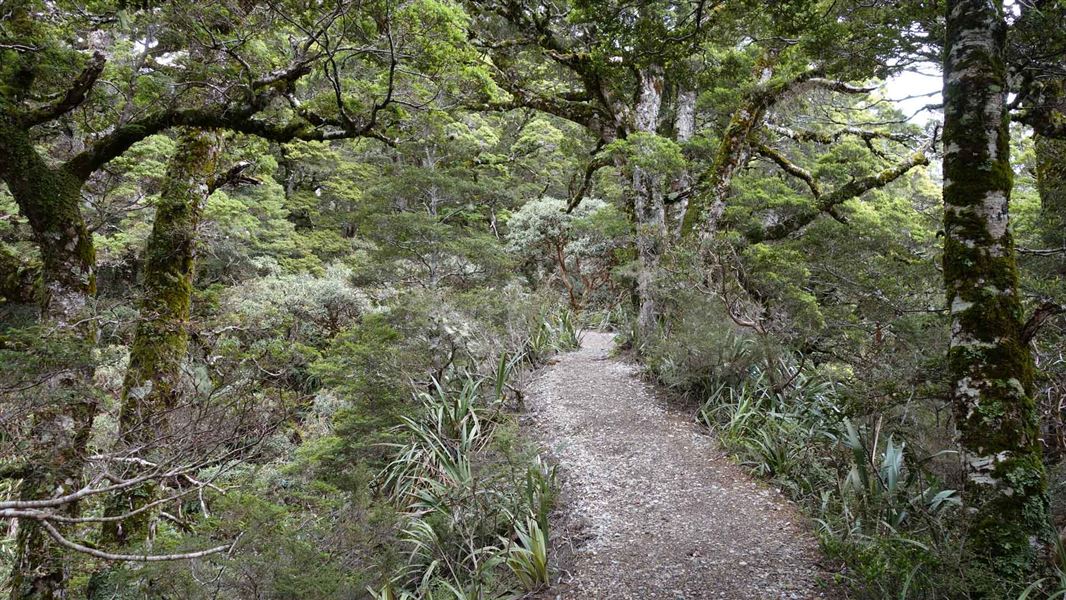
652,507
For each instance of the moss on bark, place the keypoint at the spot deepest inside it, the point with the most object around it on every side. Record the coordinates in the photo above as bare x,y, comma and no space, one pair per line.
990,367
49,199
60,425
152,385
708,202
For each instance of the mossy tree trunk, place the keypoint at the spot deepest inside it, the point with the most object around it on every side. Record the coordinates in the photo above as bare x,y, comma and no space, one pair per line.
708,202
60,424
1051,184
152,386
648,209
990,366
709,199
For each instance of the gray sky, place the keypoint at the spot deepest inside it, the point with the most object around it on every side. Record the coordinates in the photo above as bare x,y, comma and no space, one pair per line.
907,89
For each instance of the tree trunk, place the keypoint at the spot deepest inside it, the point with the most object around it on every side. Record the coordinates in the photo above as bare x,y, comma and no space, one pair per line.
990,366
708,202
684,128
49,199
1051,184
152,385
648,209
60,423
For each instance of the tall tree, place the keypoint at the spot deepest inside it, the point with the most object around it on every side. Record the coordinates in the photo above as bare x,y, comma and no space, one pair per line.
152,385
990,366
612,62
648,208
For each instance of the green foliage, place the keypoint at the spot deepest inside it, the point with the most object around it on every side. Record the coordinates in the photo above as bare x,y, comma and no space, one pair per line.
463,494
367,310
551,333
579,249
651,152
878,507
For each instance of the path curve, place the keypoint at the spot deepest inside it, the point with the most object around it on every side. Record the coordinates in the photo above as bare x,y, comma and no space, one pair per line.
652,507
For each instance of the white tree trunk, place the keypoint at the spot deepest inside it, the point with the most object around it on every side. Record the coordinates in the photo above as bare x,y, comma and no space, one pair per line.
648,209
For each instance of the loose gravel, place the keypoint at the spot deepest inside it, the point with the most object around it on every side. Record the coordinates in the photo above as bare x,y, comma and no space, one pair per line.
651,506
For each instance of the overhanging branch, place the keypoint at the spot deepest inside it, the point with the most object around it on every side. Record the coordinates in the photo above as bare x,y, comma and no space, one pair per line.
598,161
828,202
791,168
74,96
866,135
1045,311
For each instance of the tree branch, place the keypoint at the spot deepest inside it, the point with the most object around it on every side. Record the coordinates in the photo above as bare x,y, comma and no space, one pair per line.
597,162
44,520
62,541
1045,311
866,135
839,86
241,120
74,96
1041,251
234,176
828,202
791,168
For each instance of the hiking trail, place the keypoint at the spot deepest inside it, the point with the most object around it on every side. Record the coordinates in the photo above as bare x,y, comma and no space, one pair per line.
651,506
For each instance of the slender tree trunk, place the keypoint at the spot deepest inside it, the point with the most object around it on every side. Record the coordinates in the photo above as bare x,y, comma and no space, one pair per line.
989,365
152,385
60,424
1051,184
684,128
648,209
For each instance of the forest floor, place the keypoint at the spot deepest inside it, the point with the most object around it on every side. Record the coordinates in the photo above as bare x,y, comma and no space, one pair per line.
651,507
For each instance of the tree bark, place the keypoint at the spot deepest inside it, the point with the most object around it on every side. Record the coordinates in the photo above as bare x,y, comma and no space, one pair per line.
684,128
61,422
648,209
990,366
1051,184
152,386
708,202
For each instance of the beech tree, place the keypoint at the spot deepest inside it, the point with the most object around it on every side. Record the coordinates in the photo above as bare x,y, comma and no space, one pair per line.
274,275
629,75
990,365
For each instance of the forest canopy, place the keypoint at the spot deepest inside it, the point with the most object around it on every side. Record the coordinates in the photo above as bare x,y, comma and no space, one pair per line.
276,277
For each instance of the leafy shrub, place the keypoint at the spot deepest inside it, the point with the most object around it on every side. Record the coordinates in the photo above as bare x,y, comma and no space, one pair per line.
880,508
469,509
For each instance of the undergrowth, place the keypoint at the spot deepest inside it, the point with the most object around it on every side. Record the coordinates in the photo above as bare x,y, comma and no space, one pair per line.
474,498
884,507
